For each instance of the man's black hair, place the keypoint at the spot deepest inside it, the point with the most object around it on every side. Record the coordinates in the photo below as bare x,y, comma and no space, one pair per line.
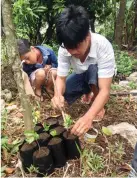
72,26
23,46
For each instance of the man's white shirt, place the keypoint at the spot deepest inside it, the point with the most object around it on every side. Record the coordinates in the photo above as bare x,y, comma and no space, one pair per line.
101,53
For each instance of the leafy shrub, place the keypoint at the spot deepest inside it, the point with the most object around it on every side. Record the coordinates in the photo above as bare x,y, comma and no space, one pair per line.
124,62
132,85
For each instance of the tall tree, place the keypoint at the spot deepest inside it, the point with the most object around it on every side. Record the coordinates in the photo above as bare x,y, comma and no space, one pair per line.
14,61
132,34
120,23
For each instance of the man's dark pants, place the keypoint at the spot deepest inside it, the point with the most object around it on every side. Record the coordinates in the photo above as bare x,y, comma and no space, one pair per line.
79,84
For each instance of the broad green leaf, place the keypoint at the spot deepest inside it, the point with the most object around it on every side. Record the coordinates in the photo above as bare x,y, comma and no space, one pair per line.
106,131
36,136
31,136
68,121
15,149
30,139
17,141
46,127
4,140
129,4
29,133
53,133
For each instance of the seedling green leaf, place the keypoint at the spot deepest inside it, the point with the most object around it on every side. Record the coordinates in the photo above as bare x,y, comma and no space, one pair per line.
106,131
68,121
31,136
78,148
53,133
15,146
3,168
36,116
12,147
4,143
33,169
46,127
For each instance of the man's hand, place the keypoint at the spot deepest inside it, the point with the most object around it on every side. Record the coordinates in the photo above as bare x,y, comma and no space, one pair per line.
58,102
81,126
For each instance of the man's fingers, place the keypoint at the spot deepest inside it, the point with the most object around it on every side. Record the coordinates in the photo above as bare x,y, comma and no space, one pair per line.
81,126
79,129
82,130
74,129
57,103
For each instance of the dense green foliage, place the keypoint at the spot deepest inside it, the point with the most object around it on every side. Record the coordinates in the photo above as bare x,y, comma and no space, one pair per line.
124,62
35,20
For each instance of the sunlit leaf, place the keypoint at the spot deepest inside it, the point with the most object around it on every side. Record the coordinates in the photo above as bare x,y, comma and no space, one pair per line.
106,131
53,133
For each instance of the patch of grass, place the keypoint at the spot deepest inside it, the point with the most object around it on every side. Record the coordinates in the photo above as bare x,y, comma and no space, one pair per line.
124,62
91,162
127,100
112,102
132,85
113,174
115,87
33,169
117,151
13,147
4,117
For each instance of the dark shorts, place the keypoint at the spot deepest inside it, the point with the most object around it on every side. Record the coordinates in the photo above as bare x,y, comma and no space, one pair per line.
79,84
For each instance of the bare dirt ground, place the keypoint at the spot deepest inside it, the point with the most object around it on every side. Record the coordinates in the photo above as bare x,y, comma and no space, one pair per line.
110,155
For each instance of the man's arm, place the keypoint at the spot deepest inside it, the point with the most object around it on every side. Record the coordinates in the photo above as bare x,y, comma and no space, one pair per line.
60,86
85,122
62,72
59,89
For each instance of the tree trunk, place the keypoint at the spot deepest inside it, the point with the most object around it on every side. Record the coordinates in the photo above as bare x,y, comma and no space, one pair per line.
120,23
132,34
92,23
50,30
38,38
114,15
13,56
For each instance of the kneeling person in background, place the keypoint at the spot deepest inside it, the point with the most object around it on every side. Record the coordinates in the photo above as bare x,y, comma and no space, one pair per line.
40,63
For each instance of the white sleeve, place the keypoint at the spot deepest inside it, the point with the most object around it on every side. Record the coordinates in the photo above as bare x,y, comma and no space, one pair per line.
106,60
63,63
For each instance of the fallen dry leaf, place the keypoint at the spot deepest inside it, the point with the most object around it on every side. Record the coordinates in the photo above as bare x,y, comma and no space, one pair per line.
126,167
10,104
19,115
9,170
